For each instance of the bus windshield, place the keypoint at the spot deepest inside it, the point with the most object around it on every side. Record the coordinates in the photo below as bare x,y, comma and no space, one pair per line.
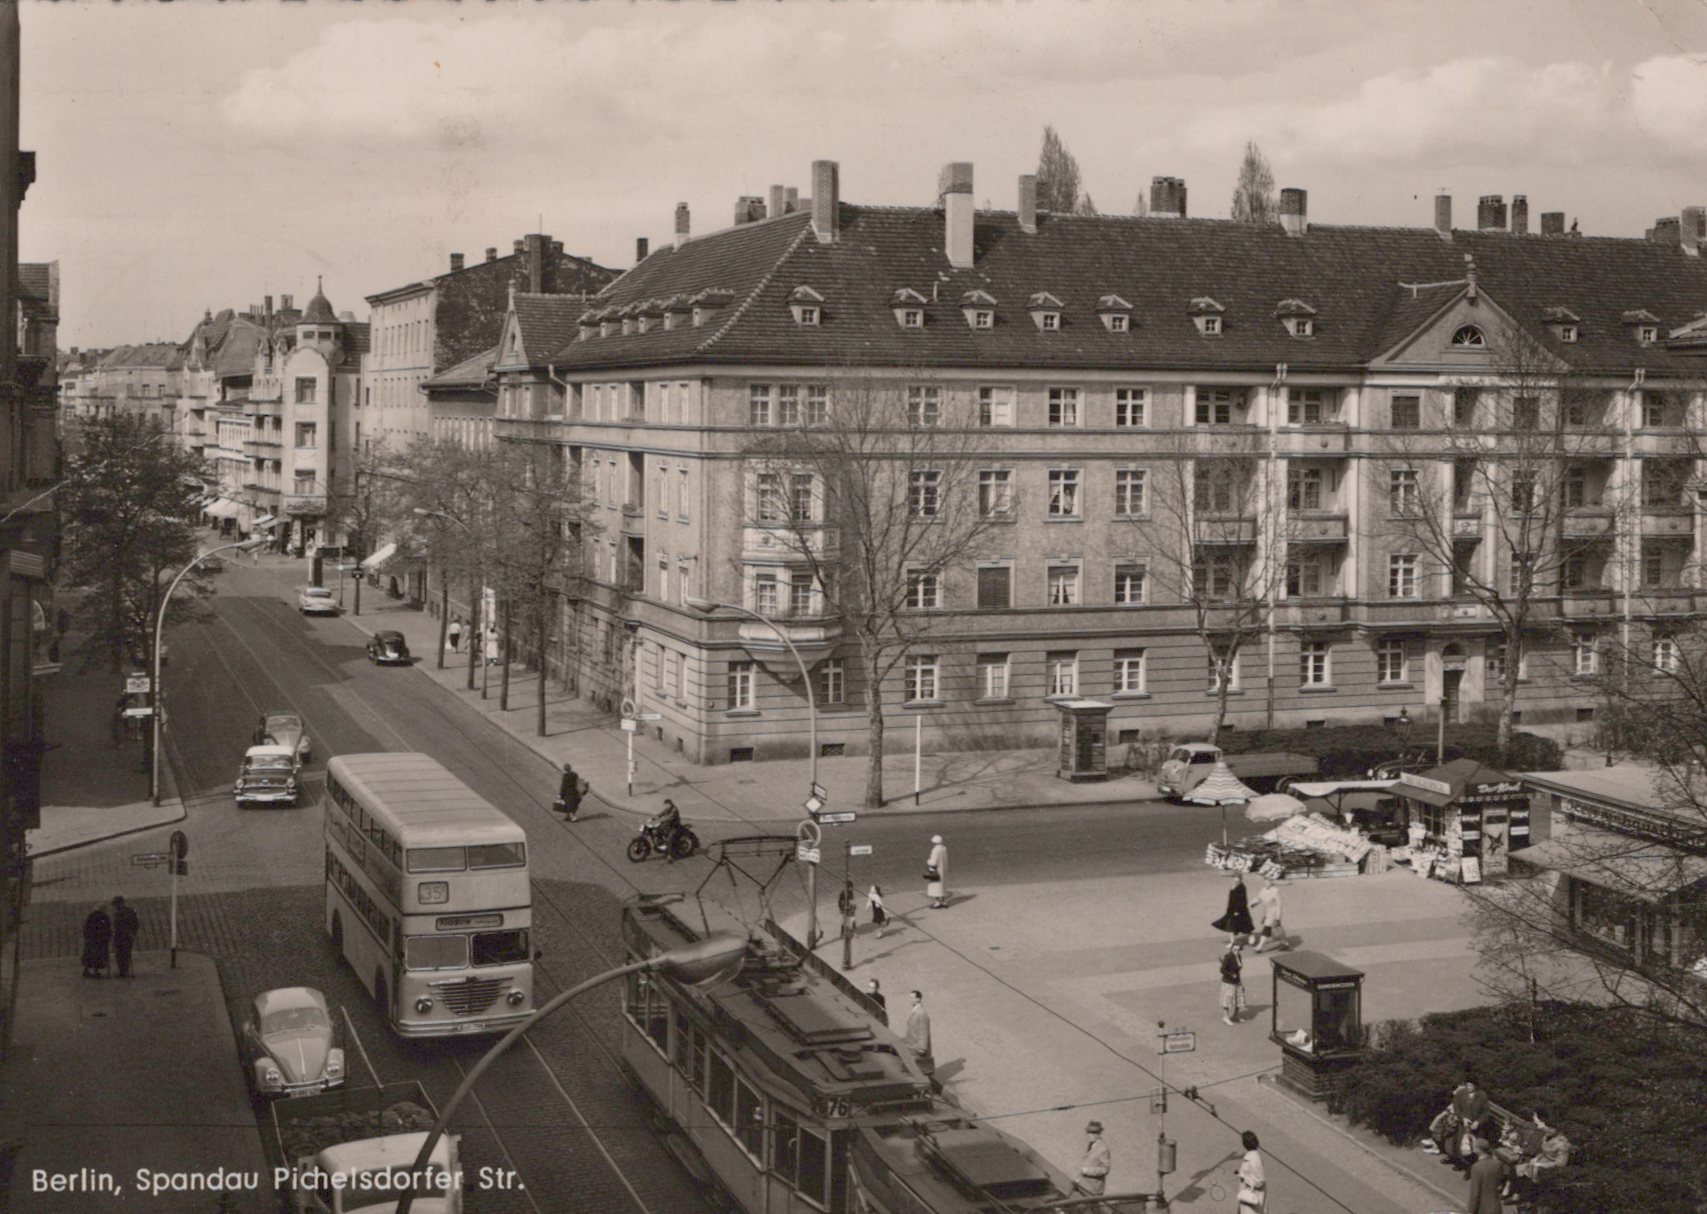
437,860
497,855
436,952
501,948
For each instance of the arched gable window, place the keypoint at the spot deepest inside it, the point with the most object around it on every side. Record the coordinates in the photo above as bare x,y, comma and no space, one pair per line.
1468,336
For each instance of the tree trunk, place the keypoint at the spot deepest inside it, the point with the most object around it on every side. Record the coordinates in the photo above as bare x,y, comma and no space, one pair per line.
1508,696
544,618
476,642
444,616
1223,684
360,574
504,655
873,735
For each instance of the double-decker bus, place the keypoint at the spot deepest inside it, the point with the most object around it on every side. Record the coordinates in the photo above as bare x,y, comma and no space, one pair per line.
427,895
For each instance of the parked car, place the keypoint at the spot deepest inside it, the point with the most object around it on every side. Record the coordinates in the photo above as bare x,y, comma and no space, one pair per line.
213,564
1190,763
288,1039
316,600
269,775
388,647
284,729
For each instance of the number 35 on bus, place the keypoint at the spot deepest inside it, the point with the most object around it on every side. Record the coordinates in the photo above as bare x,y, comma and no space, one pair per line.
427,896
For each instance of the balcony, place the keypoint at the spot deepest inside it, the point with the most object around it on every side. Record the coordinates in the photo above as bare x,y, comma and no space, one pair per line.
1313,613
760,543
1660,521
1319,527
1394,613
1667,600
1228,530
813,636
1589,522
1326,438
1466,525
1664,442
1589,604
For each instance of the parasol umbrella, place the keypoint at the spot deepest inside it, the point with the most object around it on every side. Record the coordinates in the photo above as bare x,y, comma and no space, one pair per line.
1222,788
1273,807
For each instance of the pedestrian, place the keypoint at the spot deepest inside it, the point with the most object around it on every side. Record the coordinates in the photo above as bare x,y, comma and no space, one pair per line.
1268,903
1092,1179
125,927
879,912
918,1035
97,935
874,992
936,874
1237,921
1253,1185
455,633
491,644
1555,1152
1487,1175
1232,983
1469,1109
570,789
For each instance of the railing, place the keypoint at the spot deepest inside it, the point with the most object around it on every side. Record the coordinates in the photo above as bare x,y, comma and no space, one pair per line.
1228,530
1319,612
1586,522
1667,520
1319,527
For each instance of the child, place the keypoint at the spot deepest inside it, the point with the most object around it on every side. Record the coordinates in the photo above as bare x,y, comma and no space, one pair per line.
1232,984
879,913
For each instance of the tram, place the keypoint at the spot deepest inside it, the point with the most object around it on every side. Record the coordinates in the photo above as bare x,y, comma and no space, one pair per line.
800,1100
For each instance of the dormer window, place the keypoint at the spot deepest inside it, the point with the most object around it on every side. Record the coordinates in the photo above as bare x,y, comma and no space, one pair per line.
1468,337
707,302
1643,325
979,308
1561,321
1298,317
909,308
1206,315
1045,311
1116,322
1565,333
675,309
1647,334
806,304
1116,313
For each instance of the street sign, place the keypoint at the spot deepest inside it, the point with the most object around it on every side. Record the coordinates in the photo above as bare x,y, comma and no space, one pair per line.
148,859
648,716
808,855
180,844
628,706
818,791
834,819
630,725
860,849
136,684
1178,1041
808,833
814,804
139,712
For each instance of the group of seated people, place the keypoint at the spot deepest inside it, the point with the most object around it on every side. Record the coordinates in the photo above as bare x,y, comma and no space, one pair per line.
1520,1153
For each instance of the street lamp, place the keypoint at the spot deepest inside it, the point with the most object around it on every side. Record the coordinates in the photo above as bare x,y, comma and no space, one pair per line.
705,963
707,607
159,629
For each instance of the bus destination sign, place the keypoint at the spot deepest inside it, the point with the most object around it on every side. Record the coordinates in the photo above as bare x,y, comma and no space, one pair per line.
449,923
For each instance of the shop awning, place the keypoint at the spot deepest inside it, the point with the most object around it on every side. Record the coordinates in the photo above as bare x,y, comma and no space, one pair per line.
1329,788
1632,868
379,558
223,509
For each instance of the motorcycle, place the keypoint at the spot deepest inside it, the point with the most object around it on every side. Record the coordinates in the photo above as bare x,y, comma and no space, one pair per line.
677,842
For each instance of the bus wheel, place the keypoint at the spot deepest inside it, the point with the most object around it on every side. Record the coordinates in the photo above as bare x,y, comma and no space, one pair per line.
639,848
382,993
337,931
685,844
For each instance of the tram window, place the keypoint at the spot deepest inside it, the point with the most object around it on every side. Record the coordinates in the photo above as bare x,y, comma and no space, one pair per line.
501,948
785,1145
497,855
721,1094
684,1041
814,1165
649,1009
749,1120
699,1052
436,860
436,952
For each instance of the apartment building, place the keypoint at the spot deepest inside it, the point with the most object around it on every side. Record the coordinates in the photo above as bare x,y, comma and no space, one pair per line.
1311,388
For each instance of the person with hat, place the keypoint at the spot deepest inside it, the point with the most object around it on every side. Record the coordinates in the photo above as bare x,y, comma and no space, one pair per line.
1232,983
125,926
1092,1179
936,874
1253,1183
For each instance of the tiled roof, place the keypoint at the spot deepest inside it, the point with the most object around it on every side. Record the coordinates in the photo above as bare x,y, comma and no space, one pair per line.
319,310
357,339
1350,275
34,280
473,372
547,323
150,354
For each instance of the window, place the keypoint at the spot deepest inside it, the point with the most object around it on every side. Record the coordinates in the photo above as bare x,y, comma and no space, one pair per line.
1304,577
1211,325
305,390
800,594
759,405
1215,577
1665,655
1567,333
788,404
1407,412
1215,405
664,581
720,1091
1129,491
1663,482
1130,584
995,492
1118,322
1576,488
1526,413
1300,326
924,405
1496,663
673,673
995,586
1313,664
995,406
1647,334
769,487
1573,572
1402,576
1468,336
1653,566
1464,401
306,434
1129,403
983,318
924,591
1658,409
924,490
833,681
1064,493
1306,406
1129,672
800,486
806,314
1520,579
1524,492
911,318
1402,492
1063,585
1223,660
1062,670
1049,322
1214,488
919,681
749,1122
800,1156
1304,488
764,594
1585,654
741,685
1391,662
1063,406
993,676
817,409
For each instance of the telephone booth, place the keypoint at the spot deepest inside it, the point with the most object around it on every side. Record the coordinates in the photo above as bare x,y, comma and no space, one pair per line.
1317,1020
1084,740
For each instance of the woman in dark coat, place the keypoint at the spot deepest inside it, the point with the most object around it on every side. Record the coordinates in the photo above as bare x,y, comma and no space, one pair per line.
97,936
1237,921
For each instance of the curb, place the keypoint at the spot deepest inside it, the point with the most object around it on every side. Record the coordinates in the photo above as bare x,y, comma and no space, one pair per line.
119,834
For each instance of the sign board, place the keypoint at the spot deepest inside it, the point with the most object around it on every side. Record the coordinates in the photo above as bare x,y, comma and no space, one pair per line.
814,804
139,712
807,855
630,725
136,684
1451,664
809,834
837,818
628,706
818,791
311,504
1424,783
1178,1041
648,716
859,849
148,859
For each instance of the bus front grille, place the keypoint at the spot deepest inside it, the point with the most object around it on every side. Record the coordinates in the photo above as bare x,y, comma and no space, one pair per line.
470,996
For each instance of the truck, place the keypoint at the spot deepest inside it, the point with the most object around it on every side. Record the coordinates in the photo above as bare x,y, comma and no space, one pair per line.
1190,763
350,1151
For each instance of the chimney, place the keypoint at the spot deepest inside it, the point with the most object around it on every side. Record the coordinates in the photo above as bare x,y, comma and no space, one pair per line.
1668,229
826,199
1694,229
779,199
1490,212
556,248
1519,215
957,210
642,246
1167,197
455,262
519,247
491,253
1552,223
790,200
1028,203
535,245
749,207
269,310
1443,213
284,303
681,224
1294,211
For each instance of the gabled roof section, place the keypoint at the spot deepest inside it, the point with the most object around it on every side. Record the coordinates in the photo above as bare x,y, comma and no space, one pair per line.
1039,300
1112,303
1558,314
546,324
471,374
1293,307
977,298
905,296
1638,316
804,294
1204,305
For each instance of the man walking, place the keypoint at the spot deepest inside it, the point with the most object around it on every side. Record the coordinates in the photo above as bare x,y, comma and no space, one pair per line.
1092,1179
97,936
570,789
454,632
936,874
874,992
125,927
918,1035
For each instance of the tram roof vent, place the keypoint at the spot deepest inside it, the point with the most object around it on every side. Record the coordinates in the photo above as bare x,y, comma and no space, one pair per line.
813,1022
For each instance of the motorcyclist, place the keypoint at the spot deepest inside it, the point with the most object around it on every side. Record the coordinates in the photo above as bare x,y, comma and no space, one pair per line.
664,828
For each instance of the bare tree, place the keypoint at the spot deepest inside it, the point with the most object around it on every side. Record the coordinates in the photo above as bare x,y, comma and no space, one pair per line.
444,483
368,506
876,497
1253,197
1058,181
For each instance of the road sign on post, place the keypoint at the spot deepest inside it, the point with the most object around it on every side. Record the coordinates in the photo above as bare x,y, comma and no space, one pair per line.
136,684
859,849
180,845
837,819
807,855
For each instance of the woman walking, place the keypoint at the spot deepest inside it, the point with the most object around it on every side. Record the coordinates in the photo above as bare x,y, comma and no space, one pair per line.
1237,921
1232,984
936,874
1271,931
879,912
97,937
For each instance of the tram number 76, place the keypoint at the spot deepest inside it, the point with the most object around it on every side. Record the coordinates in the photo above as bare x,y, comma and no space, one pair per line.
833,1106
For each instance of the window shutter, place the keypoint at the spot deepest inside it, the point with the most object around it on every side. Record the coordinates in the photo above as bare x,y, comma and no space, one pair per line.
994,586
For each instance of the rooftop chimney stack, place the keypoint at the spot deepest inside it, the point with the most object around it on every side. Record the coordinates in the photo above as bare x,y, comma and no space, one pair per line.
749,207
826,199
642,246
455,262
1667,229
284,303
1694,229
1490,213
957,211
269,300
790,200
1294,211
1028,203
519,247
1443,214
492,253
1167,197
1552,223
1519,215
779,199
535,243
681,224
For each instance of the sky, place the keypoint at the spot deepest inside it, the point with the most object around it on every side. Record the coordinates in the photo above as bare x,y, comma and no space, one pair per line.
196,155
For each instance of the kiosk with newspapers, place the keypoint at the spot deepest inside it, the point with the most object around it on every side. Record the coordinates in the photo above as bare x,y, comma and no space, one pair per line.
1316,1018
1465,819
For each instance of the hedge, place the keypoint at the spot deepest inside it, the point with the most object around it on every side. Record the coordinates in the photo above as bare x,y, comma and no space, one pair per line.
1629,1092
1348,751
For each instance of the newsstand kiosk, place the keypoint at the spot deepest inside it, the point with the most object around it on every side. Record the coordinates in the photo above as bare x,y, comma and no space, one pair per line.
1316,1019
1465,819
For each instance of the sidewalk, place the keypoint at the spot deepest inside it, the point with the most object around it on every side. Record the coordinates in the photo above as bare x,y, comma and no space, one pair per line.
110,1076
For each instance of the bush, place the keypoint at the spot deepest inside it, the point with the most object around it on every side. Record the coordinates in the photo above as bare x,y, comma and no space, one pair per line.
1348,751
1629,1092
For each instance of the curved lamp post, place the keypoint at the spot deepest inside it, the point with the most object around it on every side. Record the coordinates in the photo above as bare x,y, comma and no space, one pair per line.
159,628
706,963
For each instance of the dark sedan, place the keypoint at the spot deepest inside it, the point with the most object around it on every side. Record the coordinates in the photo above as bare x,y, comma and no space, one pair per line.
388,648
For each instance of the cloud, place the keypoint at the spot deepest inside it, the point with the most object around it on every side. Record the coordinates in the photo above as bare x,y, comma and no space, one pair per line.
1668,101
